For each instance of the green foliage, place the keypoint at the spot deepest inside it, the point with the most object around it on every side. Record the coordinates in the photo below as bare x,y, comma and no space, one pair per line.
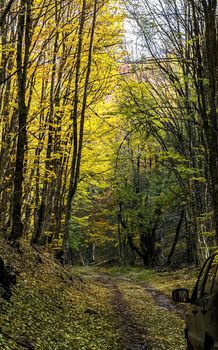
144,187
75,235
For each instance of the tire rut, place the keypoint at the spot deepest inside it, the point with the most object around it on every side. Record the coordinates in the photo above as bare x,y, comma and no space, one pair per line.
163,302
133,336
159,298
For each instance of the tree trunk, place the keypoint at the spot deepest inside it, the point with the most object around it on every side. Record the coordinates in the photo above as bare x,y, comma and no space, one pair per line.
176,238
78,135
24,25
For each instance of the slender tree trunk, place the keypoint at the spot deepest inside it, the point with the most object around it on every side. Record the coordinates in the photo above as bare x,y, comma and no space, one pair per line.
37,236
24,25
176,238
78,135
211,45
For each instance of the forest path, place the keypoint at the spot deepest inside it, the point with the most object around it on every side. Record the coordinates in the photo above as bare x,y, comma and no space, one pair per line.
163,302
133,335
147,319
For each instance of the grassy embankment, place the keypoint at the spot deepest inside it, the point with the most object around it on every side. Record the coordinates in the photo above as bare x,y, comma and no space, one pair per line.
51,309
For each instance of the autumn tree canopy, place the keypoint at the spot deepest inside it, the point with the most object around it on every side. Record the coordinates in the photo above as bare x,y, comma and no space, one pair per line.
105,149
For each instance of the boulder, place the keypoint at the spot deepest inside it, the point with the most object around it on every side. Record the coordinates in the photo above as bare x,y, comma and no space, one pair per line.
8,278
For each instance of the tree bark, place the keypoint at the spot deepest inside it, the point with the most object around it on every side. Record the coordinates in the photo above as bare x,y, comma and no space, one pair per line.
78,135
176,238
24,27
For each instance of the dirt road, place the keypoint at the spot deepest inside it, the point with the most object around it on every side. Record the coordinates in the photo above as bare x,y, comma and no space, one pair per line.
146,318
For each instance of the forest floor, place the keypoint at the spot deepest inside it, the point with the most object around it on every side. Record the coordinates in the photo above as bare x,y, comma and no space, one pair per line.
54,308
146,316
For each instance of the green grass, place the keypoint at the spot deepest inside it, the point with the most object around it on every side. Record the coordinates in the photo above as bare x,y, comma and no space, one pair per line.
165,329
164,281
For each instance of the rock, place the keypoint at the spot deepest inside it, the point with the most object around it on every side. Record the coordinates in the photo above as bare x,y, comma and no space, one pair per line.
26,342
91,311
38,259
7,278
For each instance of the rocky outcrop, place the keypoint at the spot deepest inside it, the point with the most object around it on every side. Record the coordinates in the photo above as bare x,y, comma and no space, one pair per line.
8,278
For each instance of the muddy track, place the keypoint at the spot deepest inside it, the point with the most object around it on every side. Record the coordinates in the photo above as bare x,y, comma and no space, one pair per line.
133,336
162,301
